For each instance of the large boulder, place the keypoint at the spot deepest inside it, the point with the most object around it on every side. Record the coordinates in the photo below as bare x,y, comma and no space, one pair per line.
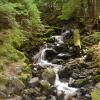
65,72
49,75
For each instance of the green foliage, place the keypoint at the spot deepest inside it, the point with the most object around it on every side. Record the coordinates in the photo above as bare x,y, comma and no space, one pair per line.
17,17
97,36
34,14
69,8
96,94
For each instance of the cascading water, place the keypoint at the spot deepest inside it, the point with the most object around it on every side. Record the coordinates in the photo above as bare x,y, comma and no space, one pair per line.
62,87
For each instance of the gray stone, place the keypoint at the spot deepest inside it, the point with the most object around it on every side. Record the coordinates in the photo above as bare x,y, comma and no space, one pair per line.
34,81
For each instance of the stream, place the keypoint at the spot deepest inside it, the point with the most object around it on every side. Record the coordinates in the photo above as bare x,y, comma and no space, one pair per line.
61,86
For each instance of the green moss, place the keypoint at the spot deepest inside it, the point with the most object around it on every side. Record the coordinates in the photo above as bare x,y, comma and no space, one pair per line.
97,36
97,78
95,95
45,84
24,77
27,69
80,82
3,82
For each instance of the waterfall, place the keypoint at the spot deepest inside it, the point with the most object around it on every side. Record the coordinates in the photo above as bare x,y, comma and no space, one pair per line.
60,86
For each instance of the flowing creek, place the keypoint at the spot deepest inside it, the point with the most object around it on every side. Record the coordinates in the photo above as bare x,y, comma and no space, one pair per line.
62,87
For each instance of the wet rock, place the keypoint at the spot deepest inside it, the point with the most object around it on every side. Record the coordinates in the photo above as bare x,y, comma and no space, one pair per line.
49,75
61,48
50,54
65,72
33,82
57,61
83,91
88,96
63,56
67,34
75,75
71,81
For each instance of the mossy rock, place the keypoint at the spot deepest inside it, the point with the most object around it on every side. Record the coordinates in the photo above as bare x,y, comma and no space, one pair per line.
80,82
49,75
45,84
97,78
95,95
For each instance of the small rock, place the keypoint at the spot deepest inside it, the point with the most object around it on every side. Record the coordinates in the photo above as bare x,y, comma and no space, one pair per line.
33,81
88,96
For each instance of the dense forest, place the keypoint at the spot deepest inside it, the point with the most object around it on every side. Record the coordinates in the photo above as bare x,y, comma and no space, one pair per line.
49,49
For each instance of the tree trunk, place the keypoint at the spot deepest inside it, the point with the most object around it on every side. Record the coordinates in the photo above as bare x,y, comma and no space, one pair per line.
92,9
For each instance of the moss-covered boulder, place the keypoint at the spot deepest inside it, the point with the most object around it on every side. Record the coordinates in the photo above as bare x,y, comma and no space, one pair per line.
49,75
80,82
45,84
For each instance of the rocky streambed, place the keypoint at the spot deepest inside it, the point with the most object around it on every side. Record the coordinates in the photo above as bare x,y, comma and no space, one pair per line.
57,73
